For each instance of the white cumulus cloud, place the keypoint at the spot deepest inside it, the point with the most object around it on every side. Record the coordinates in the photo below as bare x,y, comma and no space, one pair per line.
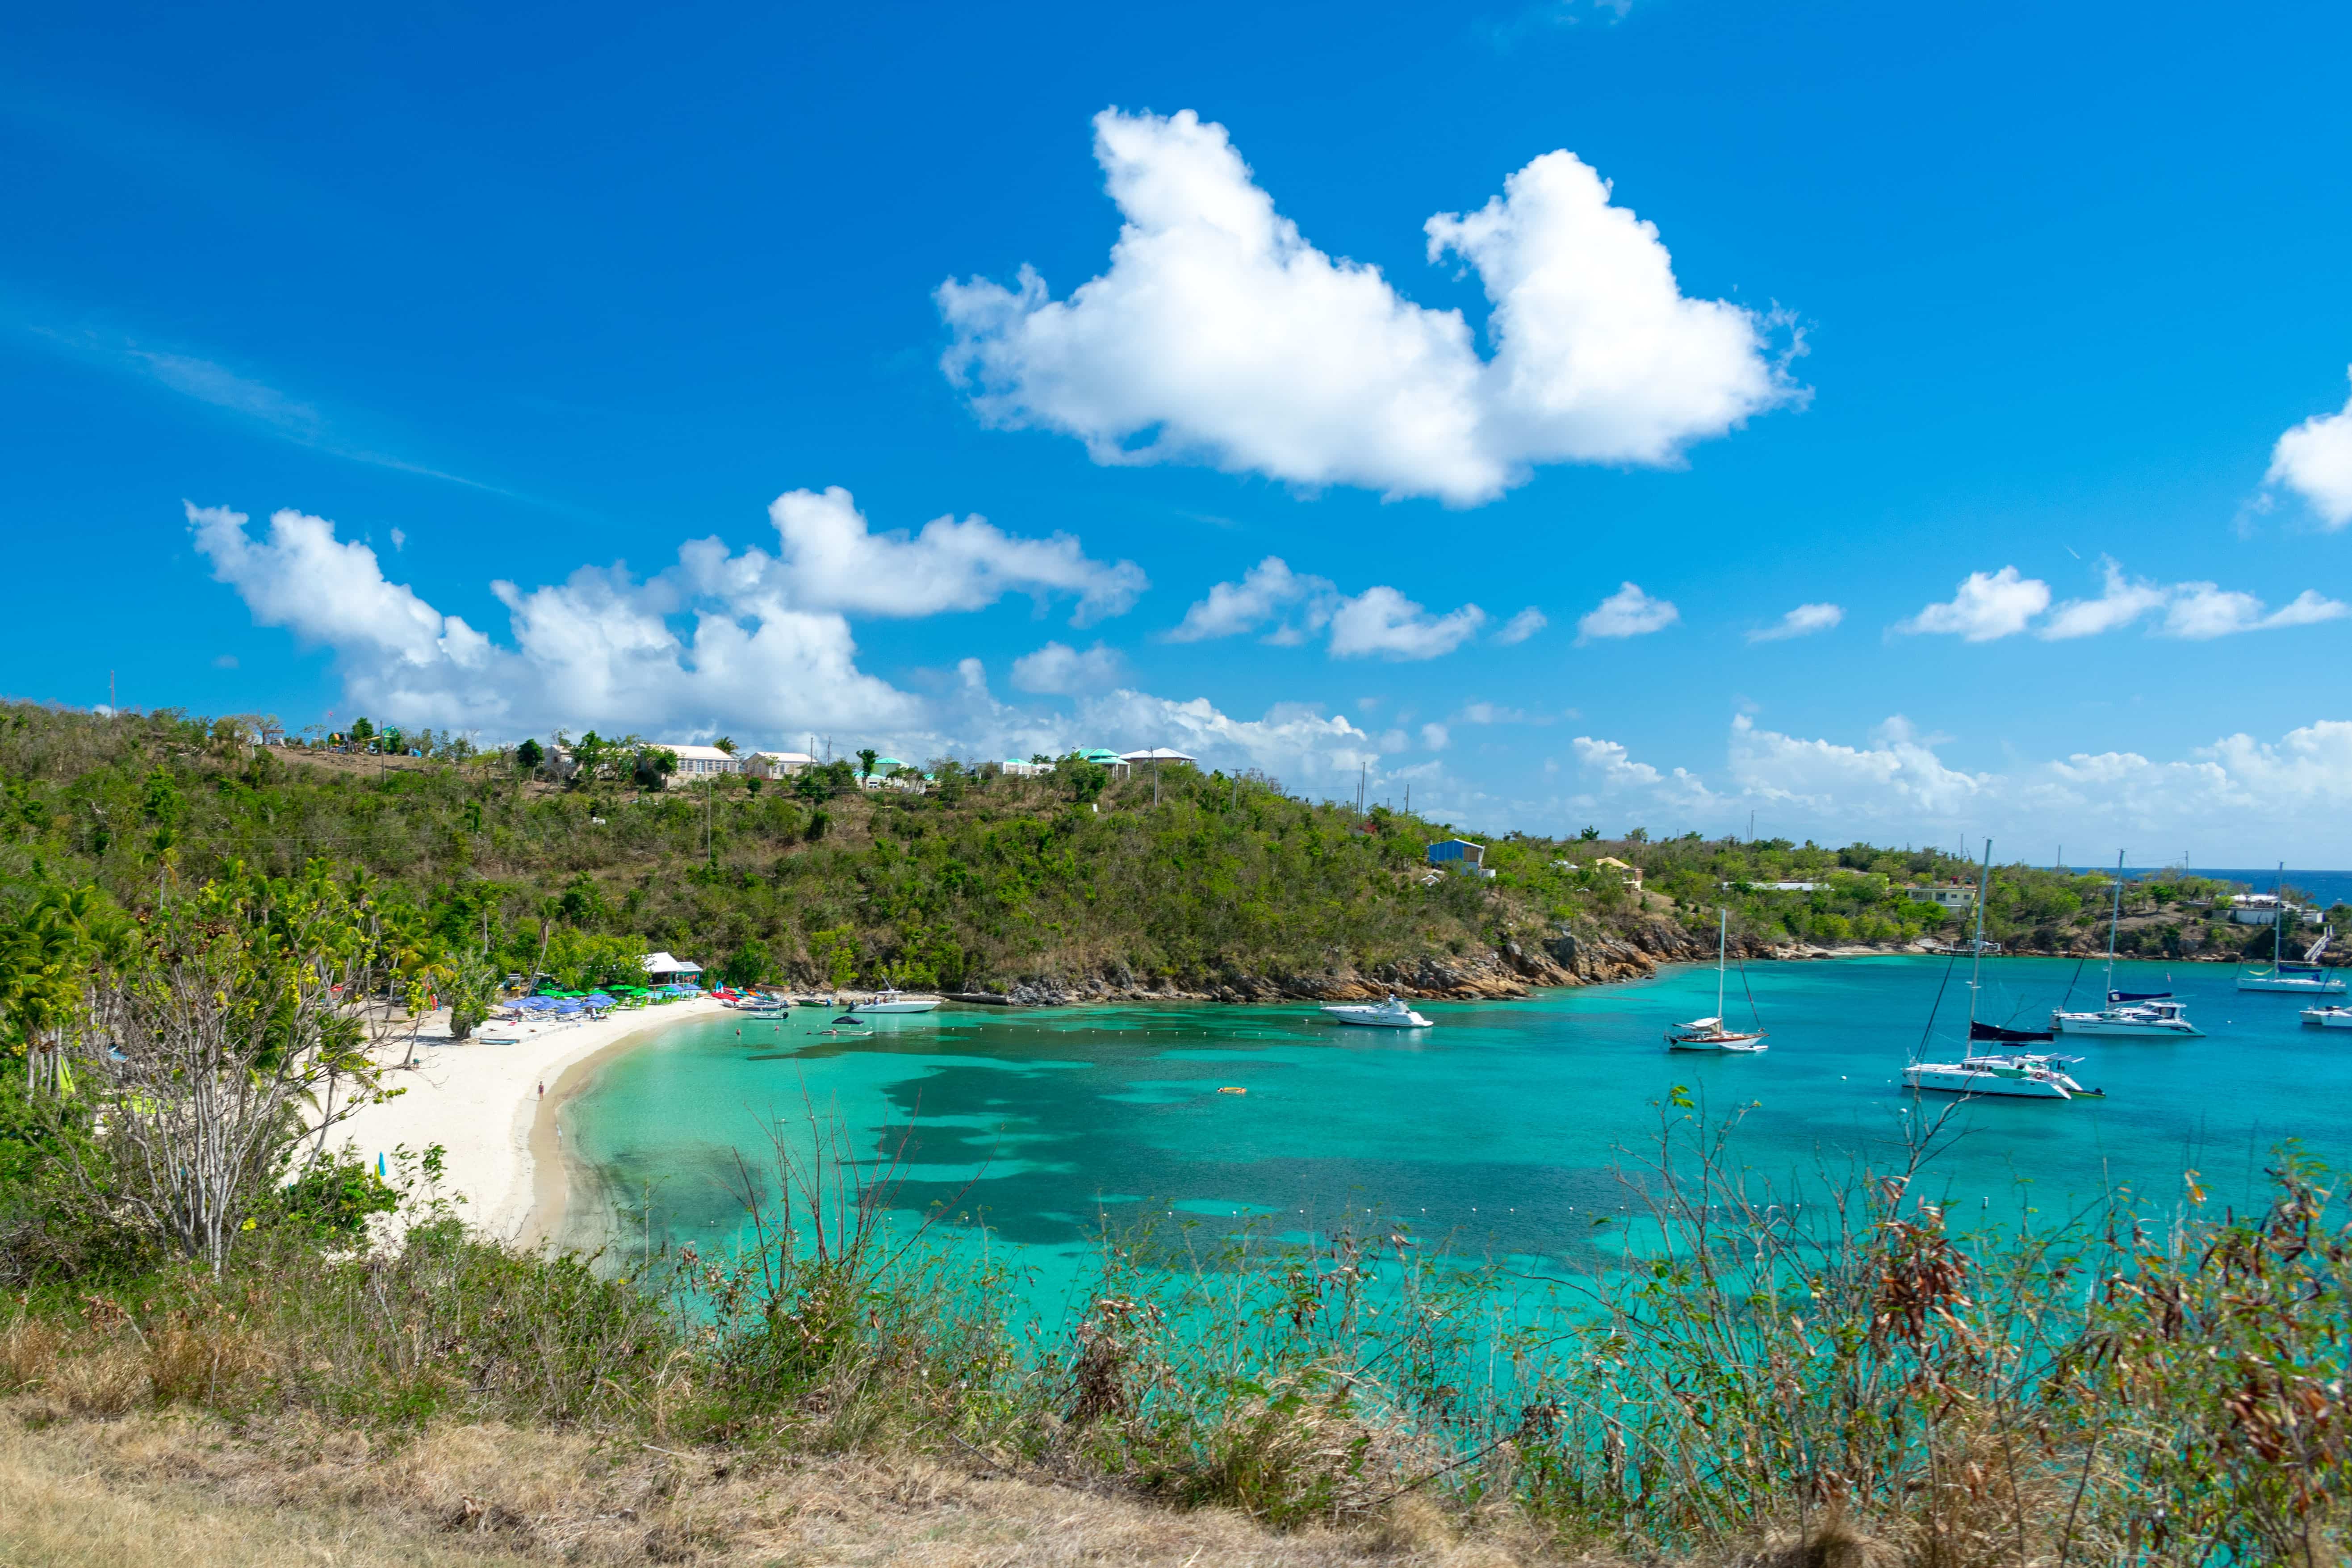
1627,613
2201,611
1269,591
1220,335
837,563
1383,622
1801,622
1059,670
2315,461
1522,627
2123,601
1990,604
1295,605
2223,801
767,643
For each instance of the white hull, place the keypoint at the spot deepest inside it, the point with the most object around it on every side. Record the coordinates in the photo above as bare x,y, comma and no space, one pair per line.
2328,1017
907,1005
766,1012
2296,984
1389,1014
2118,1024
1718,1042
1956,1079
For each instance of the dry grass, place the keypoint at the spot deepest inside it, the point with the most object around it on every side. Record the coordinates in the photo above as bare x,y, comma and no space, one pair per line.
193,1492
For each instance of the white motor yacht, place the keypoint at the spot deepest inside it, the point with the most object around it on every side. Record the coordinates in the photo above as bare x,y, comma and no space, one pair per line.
2021,1076
890,999
1391,1014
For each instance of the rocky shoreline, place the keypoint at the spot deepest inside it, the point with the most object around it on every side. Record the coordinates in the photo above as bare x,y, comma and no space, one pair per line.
1511,972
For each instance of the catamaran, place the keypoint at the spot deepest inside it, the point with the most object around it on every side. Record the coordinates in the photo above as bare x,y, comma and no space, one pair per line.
2328,1017
2305,978
1709,1034
1391,1014
2146,1014
2023,1075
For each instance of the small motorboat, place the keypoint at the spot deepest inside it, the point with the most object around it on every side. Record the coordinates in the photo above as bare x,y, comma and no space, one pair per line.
890,999
2021,1075
1391,1014
2335,1017
769,1008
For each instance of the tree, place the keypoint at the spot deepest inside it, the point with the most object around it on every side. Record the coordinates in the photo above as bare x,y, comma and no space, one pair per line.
724,743
749,964
218,1045
529,756
1589,836
866,756
653,767
360,731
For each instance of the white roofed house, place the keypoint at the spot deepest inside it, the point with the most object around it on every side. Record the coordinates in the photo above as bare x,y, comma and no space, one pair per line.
695,763
777,764
661,969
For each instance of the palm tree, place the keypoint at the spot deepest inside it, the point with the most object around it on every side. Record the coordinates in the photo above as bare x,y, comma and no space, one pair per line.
866,756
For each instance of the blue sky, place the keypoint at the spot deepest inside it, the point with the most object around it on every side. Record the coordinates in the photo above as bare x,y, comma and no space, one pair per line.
543,298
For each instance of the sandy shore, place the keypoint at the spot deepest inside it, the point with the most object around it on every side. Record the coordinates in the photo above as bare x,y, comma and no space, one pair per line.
493,1110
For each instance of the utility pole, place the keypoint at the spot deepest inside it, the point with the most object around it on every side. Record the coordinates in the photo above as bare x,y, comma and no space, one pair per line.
109,694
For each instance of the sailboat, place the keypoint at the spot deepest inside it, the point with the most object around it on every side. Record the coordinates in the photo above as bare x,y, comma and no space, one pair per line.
2305,978
2023,1075
2146,1014
1708,1034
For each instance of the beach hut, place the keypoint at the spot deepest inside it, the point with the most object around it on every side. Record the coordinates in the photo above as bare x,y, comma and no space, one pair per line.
661,969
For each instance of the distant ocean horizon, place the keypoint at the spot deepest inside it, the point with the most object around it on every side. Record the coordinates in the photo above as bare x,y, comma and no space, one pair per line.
2330,888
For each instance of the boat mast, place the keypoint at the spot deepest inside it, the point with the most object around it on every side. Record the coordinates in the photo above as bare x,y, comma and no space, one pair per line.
2278,919
1722,931
2113,920
1976,966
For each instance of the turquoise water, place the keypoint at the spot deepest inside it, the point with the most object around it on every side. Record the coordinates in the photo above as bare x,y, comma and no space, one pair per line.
1502,1129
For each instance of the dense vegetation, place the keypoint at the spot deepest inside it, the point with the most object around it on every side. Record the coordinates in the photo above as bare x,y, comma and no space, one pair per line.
977,883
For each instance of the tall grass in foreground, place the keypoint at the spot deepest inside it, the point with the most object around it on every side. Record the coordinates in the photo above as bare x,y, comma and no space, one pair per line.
2097,1389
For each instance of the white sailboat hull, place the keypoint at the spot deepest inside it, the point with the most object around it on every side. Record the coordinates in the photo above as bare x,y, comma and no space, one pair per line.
1952,1078
2298,984
2119,1022
2328,1017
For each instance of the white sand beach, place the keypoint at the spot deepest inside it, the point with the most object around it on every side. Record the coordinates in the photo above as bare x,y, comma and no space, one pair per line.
493,1109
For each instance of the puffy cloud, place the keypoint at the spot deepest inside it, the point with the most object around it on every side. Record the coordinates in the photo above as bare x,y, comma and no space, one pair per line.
1522,627
1269,589
1378,621
1801,622
1897,789
1058,669
1627,613
2201,611
2002,603
837,563
1220,335
2123,603
2315,461
1990,604
1384,622
1436,737
769,645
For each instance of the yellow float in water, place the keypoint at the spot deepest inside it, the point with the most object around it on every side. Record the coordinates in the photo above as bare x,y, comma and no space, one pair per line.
1231,1089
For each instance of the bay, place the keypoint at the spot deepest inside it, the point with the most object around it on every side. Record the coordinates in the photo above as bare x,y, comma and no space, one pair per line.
1503,1130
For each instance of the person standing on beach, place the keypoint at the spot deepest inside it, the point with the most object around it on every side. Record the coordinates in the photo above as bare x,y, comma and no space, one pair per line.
542,1090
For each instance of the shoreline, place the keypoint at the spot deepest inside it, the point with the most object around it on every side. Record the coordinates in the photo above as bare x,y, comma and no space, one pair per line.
482,1104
